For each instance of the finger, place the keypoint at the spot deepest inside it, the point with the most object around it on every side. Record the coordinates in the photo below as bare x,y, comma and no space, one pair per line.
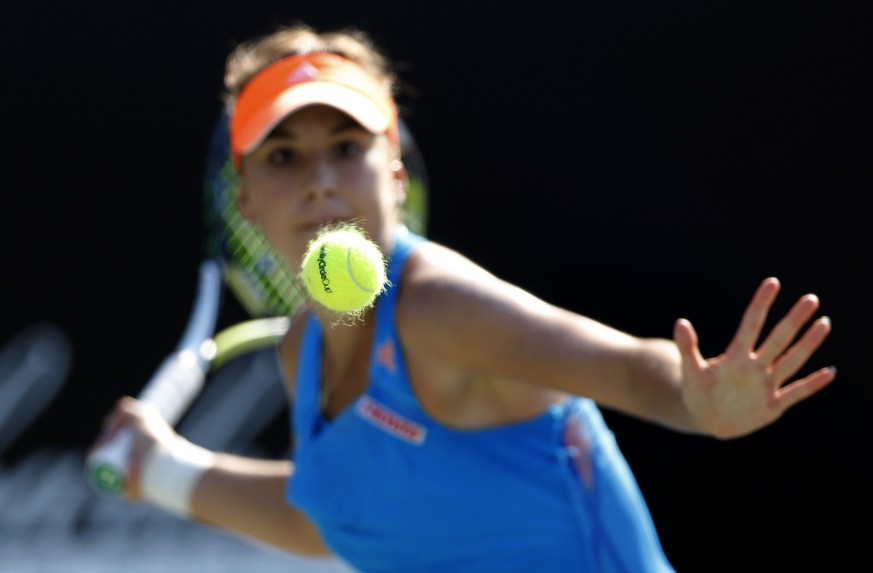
120,416
109,425
786,329
754,316
132,483
686,341
794,359
801,389
112,414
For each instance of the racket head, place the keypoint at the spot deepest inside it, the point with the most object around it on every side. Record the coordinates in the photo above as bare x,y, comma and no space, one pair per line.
415,208
257,276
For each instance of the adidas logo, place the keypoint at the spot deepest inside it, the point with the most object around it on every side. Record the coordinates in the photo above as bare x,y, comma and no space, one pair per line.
306,72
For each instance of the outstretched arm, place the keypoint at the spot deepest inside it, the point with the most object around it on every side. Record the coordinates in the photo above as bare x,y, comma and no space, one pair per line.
492,332
744,389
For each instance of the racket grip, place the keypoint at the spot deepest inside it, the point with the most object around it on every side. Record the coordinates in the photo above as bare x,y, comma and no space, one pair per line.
106,467
170,391
175,385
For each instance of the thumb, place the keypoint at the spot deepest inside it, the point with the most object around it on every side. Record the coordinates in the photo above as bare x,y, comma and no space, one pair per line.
686,341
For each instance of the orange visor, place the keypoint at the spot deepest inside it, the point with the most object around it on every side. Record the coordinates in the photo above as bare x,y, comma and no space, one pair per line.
297,81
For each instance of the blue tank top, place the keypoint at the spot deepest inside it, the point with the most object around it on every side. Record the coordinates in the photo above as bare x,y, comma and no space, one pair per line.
394,491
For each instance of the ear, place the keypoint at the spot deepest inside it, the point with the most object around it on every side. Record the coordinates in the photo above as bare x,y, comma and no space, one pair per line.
401,181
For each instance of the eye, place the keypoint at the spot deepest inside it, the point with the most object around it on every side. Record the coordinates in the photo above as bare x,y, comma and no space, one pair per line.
281,156
348,149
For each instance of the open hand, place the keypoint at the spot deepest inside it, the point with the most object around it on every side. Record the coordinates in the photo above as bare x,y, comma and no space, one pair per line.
744,389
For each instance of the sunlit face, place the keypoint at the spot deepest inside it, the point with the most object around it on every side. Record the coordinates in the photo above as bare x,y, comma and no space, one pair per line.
320,166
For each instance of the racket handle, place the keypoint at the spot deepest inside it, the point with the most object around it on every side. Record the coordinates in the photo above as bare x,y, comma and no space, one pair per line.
176,384
106,467
170,391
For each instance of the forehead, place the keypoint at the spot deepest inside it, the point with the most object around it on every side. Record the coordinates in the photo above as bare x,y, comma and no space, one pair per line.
316,116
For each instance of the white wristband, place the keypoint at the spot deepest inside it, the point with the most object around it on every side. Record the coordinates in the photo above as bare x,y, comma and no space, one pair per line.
169,474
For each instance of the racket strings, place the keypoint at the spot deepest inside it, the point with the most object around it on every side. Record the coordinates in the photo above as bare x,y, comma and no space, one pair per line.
258,276
416,205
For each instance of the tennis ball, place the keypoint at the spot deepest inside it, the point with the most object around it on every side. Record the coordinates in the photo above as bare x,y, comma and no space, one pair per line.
343,270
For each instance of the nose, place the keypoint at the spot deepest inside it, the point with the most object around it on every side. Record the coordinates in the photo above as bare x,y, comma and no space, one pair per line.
320,178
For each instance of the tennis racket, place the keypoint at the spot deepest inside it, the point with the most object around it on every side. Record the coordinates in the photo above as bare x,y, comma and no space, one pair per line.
238,256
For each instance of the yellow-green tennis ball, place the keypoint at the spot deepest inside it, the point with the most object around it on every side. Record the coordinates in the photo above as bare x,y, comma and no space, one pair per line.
344,270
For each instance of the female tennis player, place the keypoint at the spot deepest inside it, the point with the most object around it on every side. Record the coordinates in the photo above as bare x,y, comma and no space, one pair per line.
455,427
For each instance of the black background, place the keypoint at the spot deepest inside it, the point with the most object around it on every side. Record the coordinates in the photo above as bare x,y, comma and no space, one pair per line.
635,162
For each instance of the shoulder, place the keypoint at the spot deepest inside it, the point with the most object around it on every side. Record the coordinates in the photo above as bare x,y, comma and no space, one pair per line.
449,303
438,279
433,265
435,276
462,329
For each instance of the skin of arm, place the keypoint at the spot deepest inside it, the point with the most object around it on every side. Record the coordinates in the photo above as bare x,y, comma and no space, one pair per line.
247,495
256,509
498,335
242,495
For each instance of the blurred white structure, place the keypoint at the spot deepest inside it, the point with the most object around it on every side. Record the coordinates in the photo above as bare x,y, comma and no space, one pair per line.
52,521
